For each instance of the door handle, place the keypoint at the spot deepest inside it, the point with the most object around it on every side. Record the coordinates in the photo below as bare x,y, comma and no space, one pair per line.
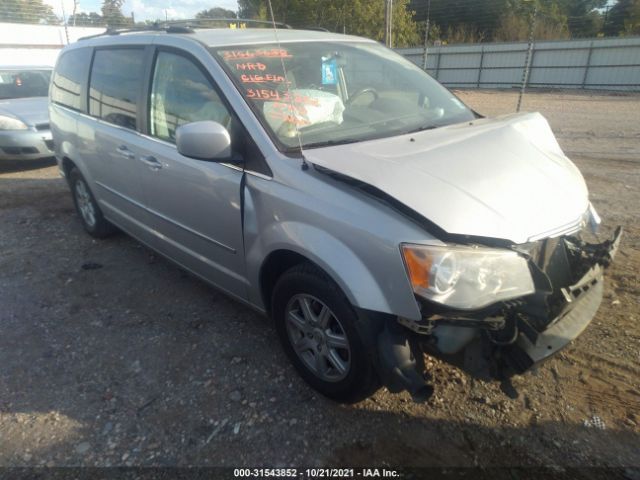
151,161
123,151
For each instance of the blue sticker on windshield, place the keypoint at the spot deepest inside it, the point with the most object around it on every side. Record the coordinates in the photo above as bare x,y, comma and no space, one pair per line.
329,72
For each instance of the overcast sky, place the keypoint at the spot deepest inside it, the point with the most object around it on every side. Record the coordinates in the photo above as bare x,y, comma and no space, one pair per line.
147,9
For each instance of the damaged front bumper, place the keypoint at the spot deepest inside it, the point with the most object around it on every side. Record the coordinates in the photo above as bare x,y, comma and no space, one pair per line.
568,274
581,302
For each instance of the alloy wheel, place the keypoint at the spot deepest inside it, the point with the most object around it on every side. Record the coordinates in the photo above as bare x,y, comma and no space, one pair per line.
318,338
85,204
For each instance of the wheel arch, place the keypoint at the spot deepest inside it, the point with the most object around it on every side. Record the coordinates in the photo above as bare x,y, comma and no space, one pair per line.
276,263
67,166
330,256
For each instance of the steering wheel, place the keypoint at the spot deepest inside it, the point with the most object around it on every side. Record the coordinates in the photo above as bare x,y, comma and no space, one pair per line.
363,91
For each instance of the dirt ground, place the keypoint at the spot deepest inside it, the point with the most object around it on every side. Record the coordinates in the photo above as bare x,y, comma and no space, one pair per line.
110,355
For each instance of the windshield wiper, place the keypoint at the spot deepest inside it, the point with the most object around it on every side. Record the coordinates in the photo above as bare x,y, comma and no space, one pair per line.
330,143
420,129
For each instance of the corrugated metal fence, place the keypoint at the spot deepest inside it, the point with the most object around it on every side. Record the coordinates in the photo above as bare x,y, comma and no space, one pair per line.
607,64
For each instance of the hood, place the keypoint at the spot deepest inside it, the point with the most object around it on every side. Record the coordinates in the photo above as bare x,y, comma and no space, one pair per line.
32,111
503,178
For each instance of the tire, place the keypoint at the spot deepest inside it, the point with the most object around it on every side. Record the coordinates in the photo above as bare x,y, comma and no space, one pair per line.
338,334
87,208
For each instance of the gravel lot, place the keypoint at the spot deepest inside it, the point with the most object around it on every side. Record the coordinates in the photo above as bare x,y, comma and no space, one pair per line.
110,355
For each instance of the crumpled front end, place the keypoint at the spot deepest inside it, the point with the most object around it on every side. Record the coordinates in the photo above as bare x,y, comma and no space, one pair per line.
553,317
513,335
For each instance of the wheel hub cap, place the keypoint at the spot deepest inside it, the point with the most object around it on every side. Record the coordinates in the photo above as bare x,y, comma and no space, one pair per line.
318,338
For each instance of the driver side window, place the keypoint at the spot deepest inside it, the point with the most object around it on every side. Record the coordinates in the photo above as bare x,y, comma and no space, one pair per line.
181,93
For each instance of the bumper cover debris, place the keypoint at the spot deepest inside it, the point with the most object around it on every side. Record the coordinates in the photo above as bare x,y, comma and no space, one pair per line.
582,300
516,334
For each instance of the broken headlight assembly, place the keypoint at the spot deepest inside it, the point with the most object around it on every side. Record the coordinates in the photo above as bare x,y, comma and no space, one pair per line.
464,277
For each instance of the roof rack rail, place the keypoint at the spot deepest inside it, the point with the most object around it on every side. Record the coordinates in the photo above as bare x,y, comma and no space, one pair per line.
317,29
187,26
153,27
195,22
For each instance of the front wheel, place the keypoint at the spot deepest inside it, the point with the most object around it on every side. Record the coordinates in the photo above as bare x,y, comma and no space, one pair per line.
323,336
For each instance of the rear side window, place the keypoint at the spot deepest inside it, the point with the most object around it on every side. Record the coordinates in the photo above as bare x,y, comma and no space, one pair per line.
115,84
70,74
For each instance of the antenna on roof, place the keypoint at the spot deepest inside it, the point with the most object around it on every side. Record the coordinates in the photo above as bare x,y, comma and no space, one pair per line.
292,108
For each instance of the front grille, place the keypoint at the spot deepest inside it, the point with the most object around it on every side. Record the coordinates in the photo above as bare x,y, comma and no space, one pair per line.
42,126
564,260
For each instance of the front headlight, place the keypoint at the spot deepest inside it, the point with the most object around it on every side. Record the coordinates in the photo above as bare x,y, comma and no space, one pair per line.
10,123
466,277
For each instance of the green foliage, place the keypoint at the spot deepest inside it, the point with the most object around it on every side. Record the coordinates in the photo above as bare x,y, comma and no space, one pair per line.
112,14
583,20
86,20
623,18
509,20
356,17
515,27
27,11
216,12
463,20
255,9
632,22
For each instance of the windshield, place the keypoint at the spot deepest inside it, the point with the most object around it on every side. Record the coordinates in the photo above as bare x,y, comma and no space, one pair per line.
24,83
338,92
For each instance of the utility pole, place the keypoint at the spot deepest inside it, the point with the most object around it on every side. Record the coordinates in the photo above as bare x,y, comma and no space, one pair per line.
344,21
75,9
388,23
527,60
606,18
64,20
426,36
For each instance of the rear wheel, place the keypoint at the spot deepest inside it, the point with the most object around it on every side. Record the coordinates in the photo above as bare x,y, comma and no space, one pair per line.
90,214
323,336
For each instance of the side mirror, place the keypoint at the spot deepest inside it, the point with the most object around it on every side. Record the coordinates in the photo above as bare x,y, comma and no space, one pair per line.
204,141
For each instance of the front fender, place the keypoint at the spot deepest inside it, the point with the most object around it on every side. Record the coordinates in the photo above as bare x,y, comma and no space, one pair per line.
333,256
266,232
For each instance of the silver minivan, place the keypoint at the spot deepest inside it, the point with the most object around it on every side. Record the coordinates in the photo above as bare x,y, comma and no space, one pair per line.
334,186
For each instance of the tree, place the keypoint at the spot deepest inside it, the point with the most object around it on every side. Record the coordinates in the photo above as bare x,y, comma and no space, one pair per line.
216,12
357,17
517,28
464,20
255,9
27,11
632,22
112,14
623,18
550,20
583,18
508,20
366,18
83,19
